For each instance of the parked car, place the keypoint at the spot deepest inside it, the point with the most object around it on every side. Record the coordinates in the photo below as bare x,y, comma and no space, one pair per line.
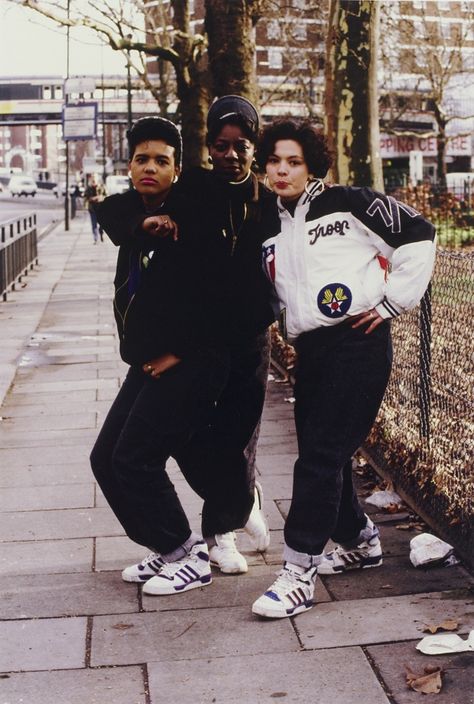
60,189
116,184
22,186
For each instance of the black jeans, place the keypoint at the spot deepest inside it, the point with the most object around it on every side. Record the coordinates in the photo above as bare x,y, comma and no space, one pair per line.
148,422
341,377
219,460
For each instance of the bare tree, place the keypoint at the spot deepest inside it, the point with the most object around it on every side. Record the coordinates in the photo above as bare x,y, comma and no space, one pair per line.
148,30
428,48
352,92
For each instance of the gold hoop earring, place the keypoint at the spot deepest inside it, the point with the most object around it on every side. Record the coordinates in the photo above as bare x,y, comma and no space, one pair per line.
313,187
175,178
209,159
266,183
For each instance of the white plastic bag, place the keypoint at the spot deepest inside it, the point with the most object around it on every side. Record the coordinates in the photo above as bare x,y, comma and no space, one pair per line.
427,549
445,643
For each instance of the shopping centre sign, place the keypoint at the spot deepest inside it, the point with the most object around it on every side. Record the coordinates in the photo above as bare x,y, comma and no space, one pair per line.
395,146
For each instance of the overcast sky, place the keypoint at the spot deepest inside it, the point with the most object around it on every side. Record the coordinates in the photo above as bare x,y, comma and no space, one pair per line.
34,46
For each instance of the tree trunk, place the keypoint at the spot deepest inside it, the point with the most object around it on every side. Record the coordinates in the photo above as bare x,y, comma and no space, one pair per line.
351,93
441,142
192,88
231,47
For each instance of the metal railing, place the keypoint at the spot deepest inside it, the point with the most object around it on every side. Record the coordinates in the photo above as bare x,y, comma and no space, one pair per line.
18,250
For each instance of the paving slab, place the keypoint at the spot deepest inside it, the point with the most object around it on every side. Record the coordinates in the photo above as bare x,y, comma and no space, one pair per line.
72,399
14,457
51,387
46,438
46,421
187,635
396,576
275,463
41,475
381,620
282,428
122,685
46,557
64,524
295,678
276,486
47,497
43,644
51,595
457,677
276,445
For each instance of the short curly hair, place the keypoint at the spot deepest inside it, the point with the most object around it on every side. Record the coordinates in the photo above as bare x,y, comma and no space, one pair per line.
313,142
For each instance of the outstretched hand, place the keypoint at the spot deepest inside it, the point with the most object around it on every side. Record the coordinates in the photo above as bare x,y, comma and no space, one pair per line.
161,226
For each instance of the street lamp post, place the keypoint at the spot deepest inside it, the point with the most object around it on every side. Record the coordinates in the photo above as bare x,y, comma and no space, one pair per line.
129,87
66,197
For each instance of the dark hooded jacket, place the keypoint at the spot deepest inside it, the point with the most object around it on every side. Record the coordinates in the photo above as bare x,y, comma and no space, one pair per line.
169,296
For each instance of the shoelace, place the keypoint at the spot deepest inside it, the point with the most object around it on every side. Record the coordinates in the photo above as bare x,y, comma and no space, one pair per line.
286,580
151,558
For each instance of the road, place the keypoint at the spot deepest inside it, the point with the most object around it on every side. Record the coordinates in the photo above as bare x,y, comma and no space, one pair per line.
47,207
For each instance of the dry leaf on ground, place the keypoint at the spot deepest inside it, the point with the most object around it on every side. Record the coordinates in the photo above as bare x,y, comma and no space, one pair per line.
448,624
428,682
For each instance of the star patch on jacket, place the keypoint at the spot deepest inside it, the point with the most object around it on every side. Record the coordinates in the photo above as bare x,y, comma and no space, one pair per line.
334,300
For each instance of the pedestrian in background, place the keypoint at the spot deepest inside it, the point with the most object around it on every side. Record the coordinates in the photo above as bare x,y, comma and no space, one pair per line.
94,194
344,261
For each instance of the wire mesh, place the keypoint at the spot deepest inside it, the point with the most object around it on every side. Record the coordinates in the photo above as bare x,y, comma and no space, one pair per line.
423,436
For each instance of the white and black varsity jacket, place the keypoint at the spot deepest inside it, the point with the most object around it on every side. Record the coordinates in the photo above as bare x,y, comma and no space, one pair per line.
346,250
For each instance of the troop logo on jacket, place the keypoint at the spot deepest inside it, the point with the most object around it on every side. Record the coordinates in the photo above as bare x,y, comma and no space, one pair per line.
334,300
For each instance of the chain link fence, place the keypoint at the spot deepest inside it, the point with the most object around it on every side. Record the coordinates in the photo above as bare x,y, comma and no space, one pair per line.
423,438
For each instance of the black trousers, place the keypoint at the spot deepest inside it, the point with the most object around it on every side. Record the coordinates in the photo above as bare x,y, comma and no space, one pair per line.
341,377
149,421
219,460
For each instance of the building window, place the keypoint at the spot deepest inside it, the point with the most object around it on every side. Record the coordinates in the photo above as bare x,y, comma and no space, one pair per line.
273,30
445,30
299,32
275,58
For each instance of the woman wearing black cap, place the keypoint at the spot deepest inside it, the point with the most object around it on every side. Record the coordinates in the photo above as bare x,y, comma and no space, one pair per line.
232,196
219,460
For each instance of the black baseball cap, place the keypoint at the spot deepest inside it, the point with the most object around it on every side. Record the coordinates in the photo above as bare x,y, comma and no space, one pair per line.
233,109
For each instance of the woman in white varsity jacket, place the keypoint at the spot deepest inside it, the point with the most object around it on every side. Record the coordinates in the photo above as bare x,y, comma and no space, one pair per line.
343,262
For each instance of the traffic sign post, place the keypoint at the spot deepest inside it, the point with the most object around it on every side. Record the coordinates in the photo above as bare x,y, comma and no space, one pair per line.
79,121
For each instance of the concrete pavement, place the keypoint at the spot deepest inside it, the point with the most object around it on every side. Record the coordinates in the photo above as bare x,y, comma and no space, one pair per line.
71,631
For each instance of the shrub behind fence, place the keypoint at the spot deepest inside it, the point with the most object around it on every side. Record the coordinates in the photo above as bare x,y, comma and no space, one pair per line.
423,437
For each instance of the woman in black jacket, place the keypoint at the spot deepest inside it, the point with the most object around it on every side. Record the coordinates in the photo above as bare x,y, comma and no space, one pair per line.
168,306
225,448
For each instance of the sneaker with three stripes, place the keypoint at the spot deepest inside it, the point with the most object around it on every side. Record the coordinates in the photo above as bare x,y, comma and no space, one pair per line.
365,553
191,571
290,594
144,570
